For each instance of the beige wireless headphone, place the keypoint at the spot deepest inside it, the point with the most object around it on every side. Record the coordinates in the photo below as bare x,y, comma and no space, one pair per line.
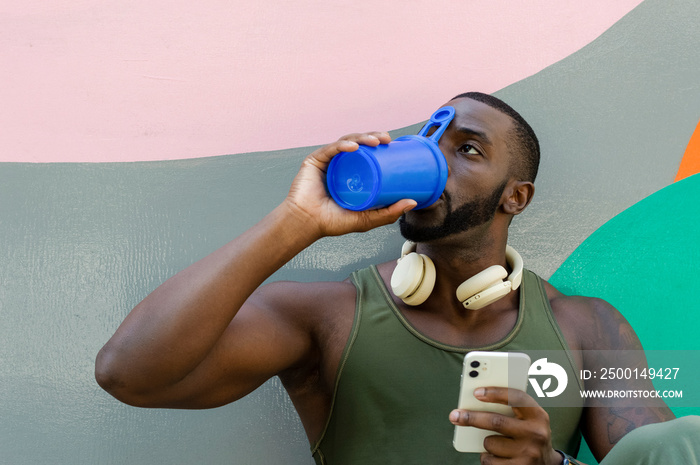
414,278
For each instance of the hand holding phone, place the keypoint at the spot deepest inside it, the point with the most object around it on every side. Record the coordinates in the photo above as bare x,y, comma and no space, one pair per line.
487,369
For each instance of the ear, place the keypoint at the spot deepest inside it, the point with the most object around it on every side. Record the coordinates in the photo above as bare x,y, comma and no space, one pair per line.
518,196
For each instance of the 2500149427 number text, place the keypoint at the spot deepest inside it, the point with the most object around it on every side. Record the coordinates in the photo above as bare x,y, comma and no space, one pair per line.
631,373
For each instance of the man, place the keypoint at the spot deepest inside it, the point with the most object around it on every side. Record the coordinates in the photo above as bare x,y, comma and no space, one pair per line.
374,379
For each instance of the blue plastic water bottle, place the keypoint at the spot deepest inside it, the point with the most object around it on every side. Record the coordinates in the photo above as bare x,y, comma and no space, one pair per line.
410,167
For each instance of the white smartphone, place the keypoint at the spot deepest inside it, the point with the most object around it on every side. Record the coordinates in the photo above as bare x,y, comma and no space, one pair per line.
485,369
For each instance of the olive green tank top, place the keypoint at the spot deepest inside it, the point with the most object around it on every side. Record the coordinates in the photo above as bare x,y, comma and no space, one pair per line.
395,387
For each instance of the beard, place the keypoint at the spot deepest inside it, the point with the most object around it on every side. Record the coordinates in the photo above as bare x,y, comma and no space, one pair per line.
465,217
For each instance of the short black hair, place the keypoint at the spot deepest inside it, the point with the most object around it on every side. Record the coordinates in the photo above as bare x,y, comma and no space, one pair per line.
523,144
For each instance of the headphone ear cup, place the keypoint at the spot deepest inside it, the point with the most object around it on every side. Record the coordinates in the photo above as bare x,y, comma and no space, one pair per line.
488,296
480,282
413,278
407,275
516,263
426,286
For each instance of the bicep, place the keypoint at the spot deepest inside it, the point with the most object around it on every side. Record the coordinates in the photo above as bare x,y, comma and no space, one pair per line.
614,356
267,336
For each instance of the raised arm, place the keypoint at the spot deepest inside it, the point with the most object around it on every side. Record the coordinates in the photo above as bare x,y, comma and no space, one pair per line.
182,347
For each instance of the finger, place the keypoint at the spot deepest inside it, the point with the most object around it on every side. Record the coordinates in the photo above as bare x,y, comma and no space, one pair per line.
500,446
383,137
506,396
387,215
371,139
321,157
489,459
524,406
348,143
485,420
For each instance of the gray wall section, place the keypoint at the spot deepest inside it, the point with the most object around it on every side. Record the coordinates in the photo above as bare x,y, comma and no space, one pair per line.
81,244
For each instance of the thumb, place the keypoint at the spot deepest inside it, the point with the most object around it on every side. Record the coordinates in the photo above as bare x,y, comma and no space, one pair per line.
389,214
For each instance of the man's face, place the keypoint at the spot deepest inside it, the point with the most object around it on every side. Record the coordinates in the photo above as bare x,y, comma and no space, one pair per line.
475,147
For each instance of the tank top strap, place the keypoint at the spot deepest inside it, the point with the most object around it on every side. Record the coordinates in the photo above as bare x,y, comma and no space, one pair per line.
540,333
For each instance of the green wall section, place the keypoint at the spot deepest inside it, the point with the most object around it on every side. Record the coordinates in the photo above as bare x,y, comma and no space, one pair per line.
644,262
81,244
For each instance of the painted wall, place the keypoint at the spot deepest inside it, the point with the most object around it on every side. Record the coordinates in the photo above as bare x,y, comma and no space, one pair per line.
85,80
614,98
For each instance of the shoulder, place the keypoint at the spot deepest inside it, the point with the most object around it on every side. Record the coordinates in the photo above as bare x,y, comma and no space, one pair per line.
322,313
591,323
304,300
293,293
323,310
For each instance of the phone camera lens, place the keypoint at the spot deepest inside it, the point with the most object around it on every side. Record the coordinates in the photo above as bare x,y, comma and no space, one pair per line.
473,373
475,364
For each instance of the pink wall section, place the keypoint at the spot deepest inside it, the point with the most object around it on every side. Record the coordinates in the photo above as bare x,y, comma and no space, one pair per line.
126,80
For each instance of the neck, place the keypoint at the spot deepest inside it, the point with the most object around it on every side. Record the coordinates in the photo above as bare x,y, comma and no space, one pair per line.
459,258
466,254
